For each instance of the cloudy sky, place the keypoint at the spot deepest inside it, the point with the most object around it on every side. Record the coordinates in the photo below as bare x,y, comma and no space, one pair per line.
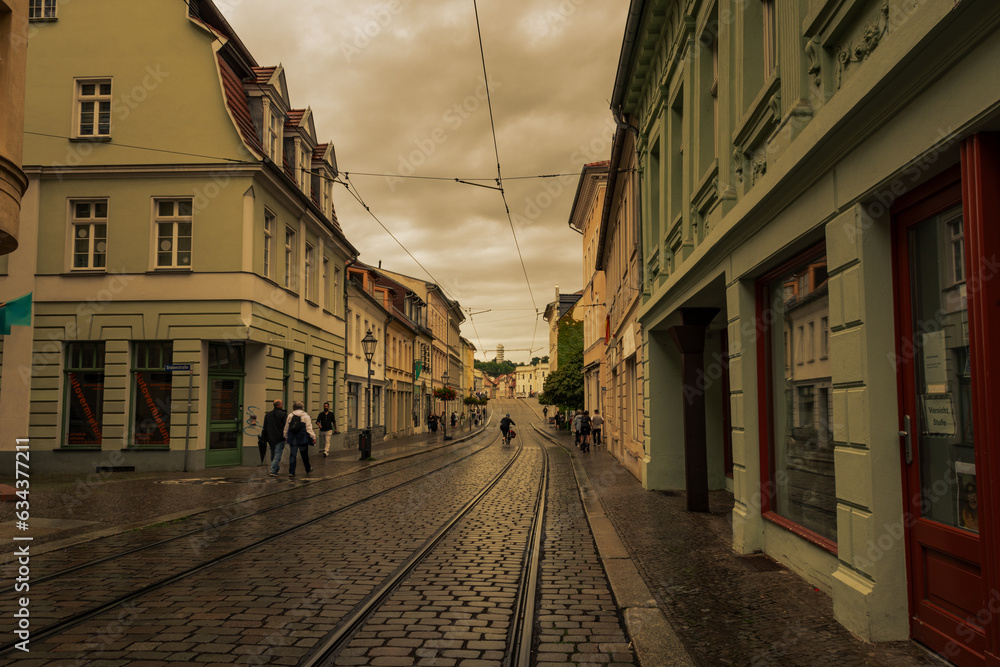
398,88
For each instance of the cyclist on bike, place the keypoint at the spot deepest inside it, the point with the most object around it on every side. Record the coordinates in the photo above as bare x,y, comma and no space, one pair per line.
505,425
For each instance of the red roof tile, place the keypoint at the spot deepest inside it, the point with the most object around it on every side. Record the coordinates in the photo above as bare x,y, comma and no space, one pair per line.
236,100
263,74
320,151
294,117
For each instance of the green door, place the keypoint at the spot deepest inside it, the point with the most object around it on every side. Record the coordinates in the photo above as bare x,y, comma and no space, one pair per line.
225,405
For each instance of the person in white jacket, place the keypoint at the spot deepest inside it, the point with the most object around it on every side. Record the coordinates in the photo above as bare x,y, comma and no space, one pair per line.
299,436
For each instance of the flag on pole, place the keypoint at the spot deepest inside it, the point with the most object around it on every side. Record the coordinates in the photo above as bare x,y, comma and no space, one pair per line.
15,313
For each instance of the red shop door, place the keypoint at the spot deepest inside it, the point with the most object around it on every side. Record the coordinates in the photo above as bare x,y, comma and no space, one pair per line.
943,374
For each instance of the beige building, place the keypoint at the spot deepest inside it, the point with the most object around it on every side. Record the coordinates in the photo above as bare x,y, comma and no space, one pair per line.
13,56
180,288
530,379
585,217
817,186
619,257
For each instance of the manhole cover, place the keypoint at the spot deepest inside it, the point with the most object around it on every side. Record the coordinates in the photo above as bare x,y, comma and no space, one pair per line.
222,480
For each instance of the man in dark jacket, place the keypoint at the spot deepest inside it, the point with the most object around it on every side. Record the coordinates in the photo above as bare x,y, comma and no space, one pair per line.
274,425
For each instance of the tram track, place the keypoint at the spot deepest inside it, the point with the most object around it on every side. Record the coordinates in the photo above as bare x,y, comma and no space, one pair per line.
80,617
215,526
493,517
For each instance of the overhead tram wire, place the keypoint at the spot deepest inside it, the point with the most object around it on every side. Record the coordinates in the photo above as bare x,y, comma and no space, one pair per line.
496,151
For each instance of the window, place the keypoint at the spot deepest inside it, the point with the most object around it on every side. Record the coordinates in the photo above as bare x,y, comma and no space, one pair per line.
269,227
798,472
89,226
812,342
289,281
93,103
310,258
39,10
376,406
173,233
336,291
151,390
84,399
956,235
352,404
824,344
770,38
325,282
275,123
325,187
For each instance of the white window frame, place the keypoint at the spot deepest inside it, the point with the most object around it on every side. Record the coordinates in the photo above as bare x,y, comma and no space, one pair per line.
336,291
176,220
289,279
92,223
310,255
275,125
97,99
325,278
270,225
42,10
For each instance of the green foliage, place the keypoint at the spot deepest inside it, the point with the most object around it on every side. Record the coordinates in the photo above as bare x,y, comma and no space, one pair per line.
495,367
445,393
565,386
539,360
570,339
471,400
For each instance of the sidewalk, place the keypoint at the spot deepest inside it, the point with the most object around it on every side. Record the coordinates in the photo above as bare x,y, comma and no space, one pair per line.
725,608
70,508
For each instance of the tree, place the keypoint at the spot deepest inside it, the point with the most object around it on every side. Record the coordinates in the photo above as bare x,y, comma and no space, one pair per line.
495,368
539,360
565,386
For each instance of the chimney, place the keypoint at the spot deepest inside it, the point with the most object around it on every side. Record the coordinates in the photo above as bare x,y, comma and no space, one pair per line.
557,294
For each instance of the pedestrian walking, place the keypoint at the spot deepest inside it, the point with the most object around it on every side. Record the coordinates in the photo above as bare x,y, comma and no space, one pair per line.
454,419
273,432
432,422
585,431
327,423
300,436
559,420
596,422
577,418
545,414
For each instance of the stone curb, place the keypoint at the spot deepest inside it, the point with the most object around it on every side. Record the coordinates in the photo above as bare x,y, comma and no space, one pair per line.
652,636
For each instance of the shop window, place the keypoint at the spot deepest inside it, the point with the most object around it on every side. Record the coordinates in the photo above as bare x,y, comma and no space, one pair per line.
84,398
797,475
352,404
151,393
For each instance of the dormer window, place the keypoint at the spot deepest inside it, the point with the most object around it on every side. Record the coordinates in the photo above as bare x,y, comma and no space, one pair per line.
324,187
275,123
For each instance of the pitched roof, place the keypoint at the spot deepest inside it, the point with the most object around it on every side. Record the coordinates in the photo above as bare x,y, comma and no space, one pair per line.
236,100
294,117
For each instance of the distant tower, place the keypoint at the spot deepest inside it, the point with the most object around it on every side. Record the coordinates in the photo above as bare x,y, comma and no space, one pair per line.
500,352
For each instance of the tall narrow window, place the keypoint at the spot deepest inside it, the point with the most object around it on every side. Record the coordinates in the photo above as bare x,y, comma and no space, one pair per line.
173,233
325,282
269,229
289,281
794,419
84,399
274,135
770,38
337,295
93,103
39,10
151,394
308,275
89,227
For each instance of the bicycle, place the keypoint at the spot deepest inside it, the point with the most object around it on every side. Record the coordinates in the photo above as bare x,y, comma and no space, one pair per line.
508,436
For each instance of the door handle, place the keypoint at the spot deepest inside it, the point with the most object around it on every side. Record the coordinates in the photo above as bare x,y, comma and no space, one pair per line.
907,439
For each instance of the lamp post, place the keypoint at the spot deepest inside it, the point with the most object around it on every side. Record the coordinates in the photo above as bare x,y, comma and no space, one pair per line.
444,379
368,344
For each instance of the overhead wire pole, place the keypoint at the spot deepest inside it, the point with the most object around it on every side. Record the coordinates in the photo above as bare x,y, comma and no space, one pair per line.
496,151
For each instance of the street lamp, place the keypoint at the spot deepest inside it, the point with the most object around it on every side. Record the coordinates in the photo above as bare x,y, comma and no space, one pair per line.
444,379
368,344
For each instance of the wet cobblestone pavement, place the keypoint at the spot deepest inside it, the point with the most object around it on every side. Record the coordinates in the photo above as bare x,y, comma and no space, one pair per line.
728,609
